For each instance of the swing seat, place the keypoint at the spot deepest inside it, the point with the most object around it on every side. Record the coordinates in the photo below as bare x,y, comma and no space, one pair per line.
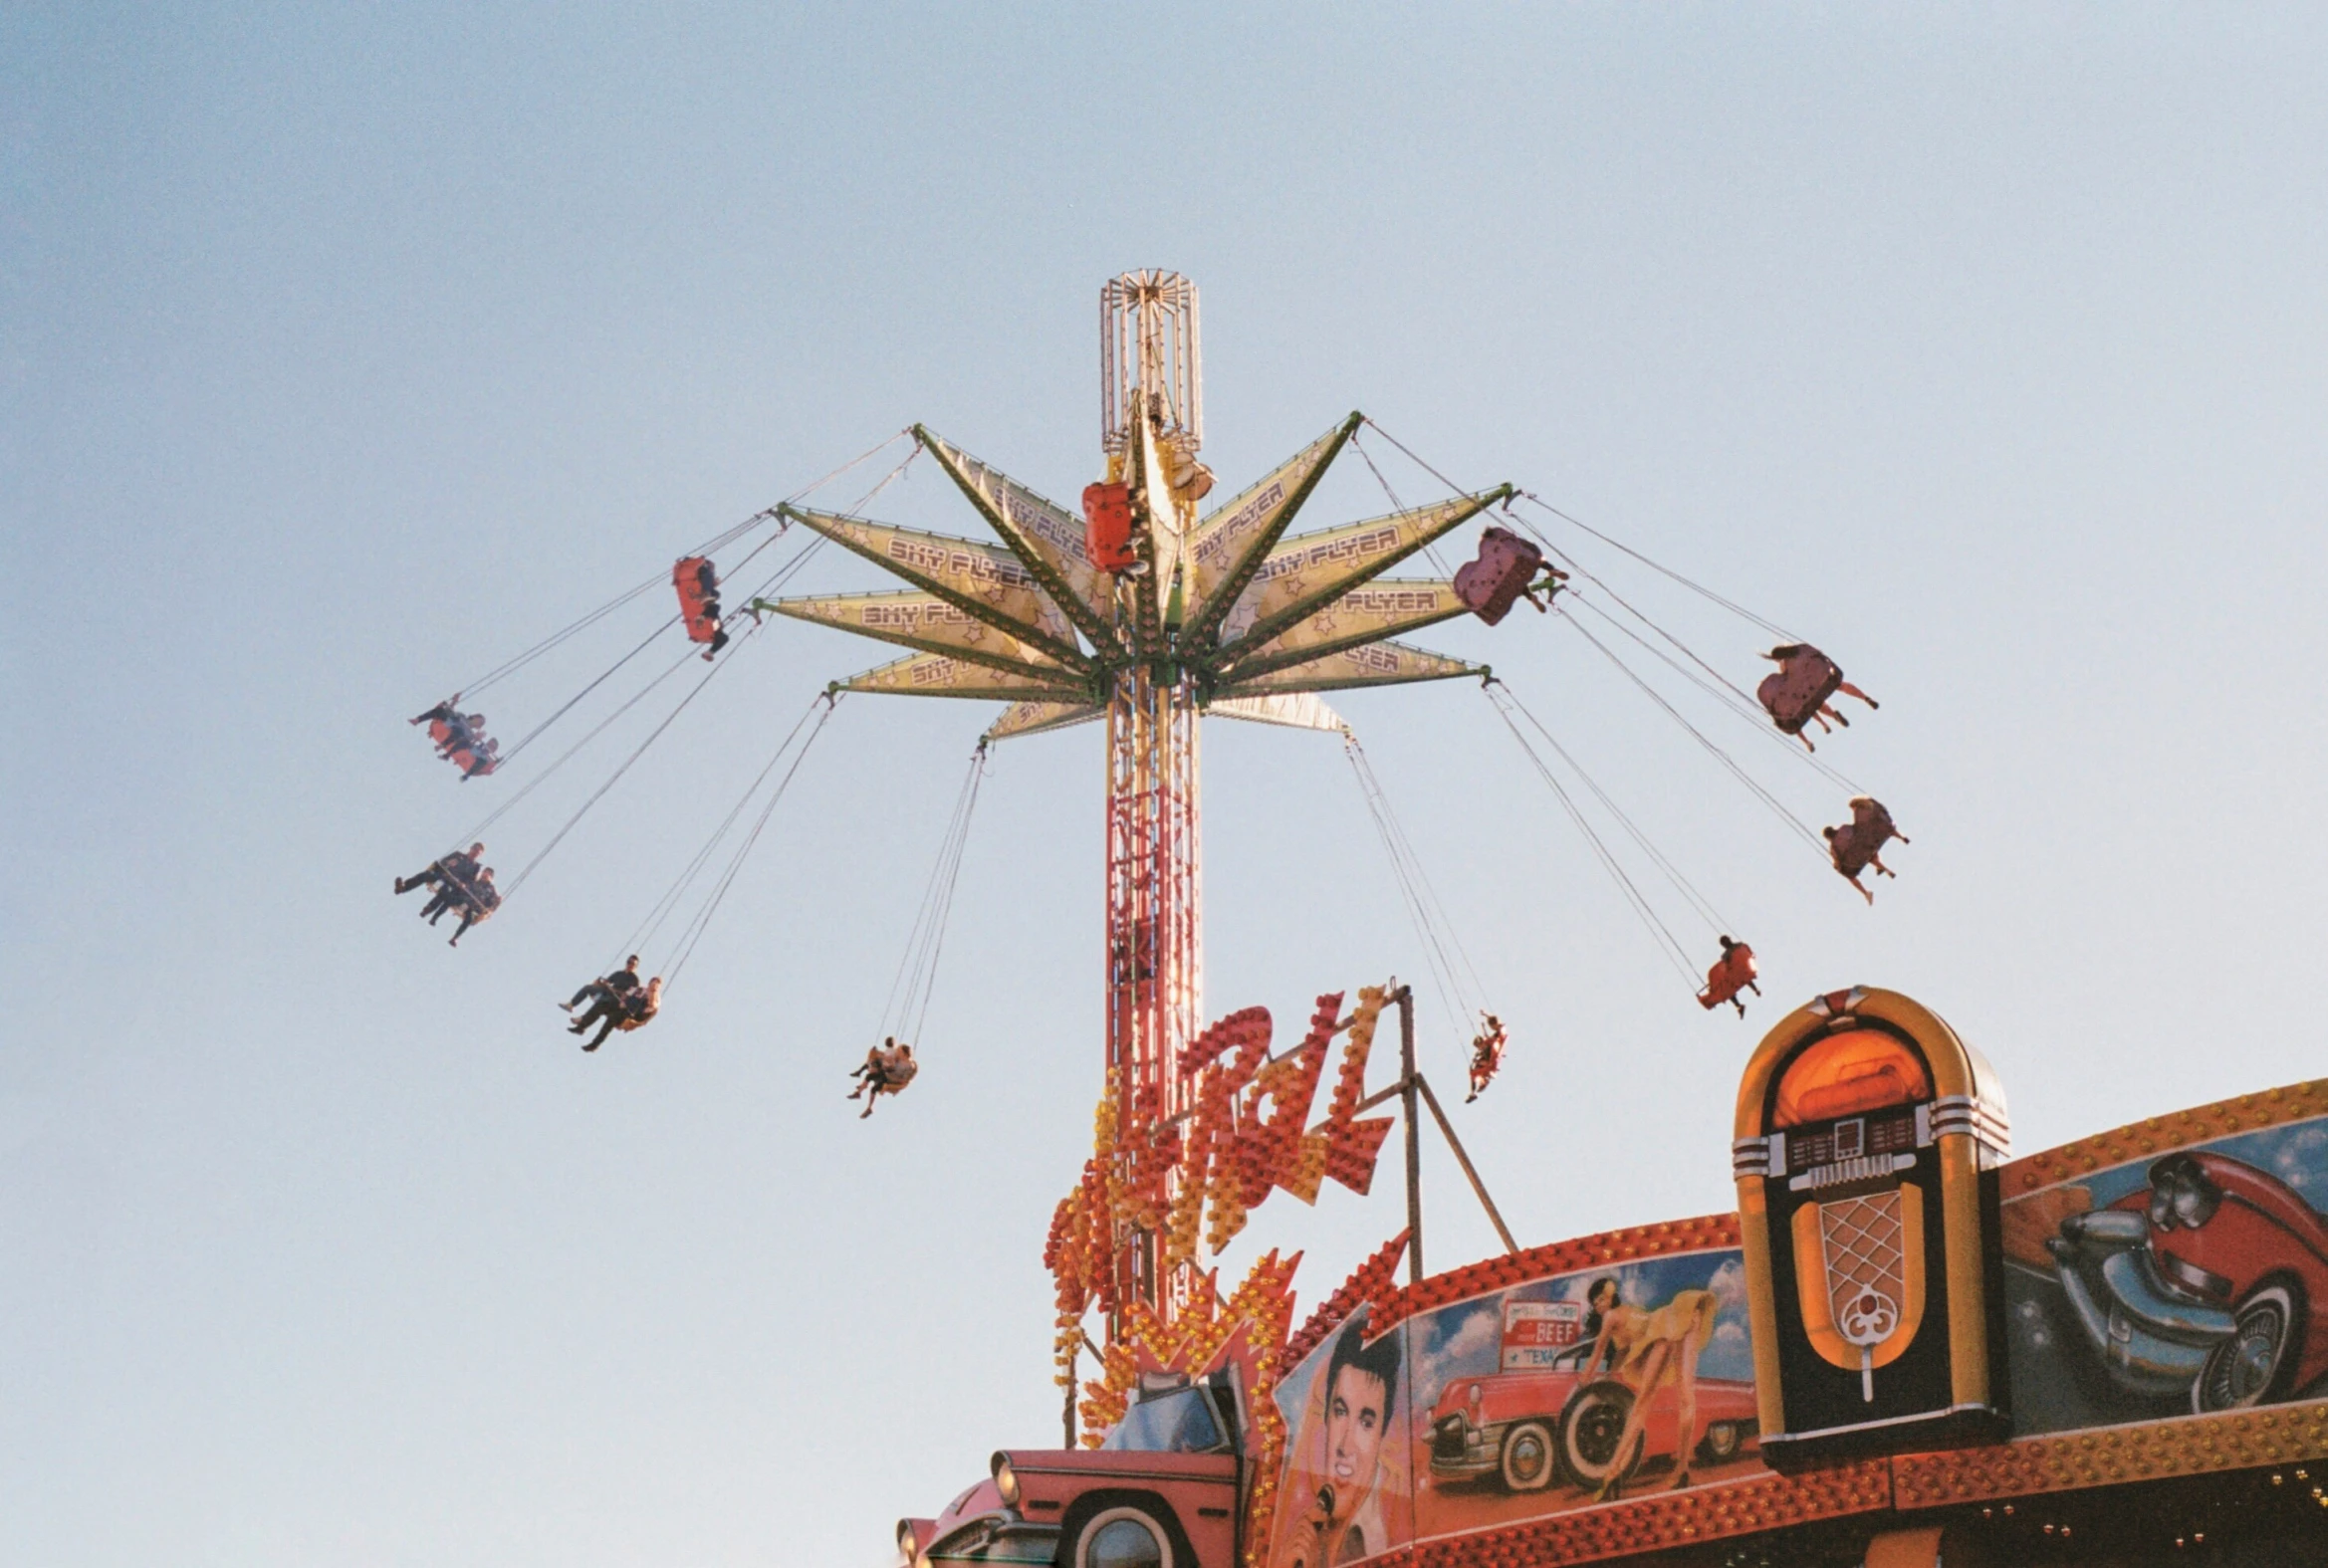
1798,689
695,604
1732,973
1857,843
473,893
463,741
1855,847
473,760
1107,525
1493,584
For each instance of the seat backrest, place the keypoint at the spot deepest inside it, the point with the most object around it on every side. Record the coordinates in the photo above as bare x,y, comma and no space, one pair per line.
1851,849
1491,583
1798,689
1107,525
694,605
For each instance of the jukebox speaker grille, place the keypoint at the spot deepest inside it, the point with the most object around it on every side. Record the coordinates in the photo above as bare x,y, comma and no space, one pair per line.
1865,1242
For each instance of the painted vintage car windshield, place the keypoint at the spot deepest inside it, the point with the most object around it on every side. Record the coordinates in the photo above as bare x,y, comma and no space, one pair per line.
1844,1075
1179,1422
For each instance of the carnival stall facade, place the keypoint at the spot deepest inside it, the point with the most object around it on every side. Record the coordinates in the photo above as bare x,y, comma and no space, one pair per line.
1926,1351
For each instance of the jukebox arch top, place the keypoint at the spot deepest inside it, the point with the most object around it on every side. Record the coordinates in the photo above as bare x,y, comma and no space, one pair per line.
1855,1072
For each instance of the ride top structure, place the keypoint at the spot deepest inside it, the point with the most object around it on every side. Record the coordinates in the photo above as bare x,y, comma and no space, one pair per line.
1151,614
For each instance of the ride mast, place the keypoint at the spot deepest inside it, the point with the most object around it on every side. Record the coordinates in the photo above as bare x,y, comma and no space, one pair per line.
1151,616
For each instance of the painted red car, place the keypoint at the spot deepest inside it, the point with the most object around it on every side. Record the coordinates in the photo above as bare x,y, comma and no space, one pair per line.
1163,1492
2214,1277
1524,1428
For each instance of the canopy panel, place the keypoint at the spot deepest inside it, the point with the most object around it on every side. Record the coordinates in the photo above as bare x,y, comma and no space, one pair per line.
944,675
982,580
1375,664
1156,518
1305,573
1365,614
1294,709
1228,547
1043,534
1032,718
926,621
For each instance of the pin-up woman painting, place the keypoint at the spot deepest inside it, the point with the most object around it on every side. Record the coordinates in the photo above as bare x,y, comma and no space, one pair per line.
1649,1349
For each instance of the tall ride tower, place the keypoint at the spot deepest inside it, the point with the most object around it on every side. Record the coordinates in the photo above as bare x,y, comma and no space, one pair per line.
1151,425
1146,613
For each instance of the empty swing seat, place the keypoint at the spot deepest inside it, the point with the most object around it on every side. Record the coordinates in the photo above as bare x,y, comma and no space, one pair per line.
1493,584
698,597
1800,688
1107,525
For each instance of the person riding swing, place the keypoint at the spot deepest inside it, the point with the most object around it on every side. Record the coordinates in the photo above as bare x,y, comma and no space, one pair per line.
698,586
868,1074
1732,973
459,865
1486,1055
888,1069
477,901
624,1010
1796,693
611,987
460,738
1854,847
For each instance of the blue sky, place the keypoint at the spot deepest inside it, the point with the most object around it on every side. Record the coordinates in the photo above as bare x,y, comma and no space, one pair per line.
343,351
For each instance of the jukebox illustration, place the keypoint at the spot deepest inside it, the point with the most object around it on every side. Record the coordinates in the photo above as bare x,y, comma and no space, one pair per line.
1868,1142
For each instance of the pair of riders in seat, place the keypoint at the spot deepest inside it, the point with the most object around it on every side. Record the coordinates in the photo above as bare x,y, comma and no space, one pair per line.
1853,846
618,1001
1509,569
463,882
1486,1055
1796,693
887,1069
460,738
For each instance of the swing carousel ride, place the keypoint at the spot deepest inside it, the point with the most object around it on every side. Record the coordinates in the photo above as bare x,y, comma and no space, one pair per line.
1149,611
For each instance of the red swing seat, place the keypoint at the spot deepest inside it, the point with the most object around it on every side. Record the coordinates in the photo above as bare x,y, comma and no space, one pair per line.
1857,842
1732,973
470,756
1107,525
1493,584
1795,691
687,577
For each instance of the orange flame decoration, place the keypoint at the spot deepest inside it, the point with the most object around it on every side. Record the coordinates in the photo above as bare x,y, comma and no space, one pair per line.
1210,1175
1249,1329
